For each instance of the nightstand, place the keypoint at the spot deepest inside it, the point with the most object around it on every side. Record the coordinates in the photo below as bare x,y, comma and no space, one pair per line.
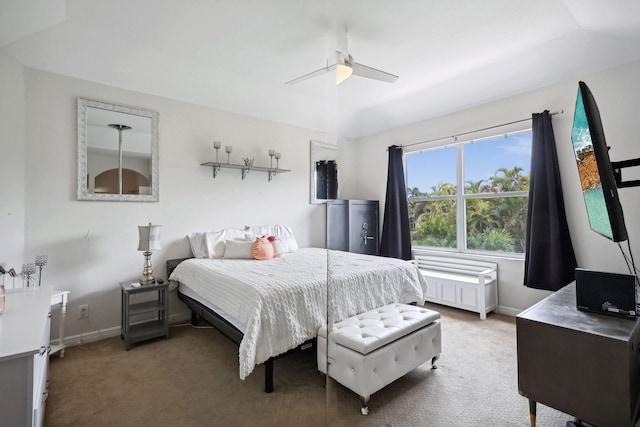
148,318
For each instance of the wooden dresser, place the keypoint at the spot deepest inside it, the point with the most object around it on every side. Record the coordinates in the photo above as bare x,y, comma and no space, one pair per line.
583,364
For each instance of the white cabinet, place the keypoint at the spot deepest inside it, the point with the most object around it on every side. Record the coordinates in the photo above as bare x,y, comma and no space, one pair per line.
24,356
472,296
465,284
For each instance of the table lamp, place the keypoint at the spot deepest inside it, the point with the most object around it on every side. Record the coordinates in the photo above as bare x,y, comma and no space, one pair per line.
149,240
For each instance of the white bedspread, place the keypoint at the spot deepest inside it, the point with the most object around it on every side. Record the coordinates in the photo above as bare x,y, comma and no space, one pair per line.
282,302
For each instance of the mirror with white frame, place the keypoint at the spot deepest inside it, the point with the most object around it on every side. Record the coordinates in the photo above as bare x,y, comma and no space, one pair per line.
117,152
323,172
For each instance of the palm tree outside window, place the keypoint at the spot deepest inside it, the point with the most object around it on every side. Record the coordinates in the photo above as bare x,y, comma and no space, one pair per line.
471,196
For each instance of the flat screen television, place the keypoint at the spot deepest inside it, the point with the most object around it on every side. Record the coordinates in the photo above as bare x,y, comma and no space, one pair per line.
595,170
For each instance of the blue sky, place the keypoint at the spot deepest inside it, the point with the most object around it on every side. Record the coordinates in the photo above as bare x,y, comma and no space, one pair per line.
482,160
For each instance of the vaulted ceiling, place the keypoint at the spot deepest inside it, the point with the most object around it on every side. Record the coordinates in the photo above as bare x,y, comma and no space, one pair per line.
236,55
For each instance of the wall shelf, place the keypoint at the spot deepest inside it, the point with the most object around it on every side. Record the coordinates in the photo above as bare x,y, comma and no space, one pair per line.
244,168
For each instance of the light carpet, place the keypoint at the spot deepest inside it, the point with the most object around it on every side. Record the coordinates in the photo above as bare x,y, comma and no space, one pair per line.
192,379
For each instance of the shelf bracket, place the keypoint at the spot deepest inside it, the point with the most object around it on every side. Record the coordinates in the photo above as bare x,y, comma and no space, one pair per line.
216,169
245,172
272,173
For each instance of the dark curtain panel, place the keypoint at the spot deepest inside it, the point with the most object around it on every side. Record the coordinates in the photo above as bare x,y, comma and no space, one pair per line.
549,259
396,237
321,180
326,179
332,179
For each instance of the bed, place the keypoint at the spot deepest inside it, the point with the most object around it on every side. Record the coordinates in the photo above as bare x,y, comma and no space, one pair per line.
272,307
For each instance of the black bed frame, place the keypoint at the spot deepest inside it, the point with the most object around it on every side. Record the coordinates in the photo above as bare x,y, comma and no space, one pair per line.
199,310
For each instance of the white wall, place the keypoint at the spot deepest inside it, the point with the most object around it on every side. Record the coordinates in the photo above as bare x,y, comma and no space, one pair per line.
92,245
617,92
12,163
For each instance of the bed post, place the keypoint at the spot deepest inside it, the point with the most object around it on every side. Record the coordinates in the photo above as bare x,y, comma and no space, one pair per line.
268,375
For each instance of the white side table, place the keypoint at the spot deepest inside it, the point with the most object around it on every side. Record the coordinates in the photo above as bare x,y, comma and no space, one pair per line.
60,297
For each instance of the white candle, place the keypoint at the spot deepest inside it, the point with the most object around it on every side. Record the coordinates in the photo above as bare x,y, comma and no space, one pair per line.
228,149
217,144
278,156
272,152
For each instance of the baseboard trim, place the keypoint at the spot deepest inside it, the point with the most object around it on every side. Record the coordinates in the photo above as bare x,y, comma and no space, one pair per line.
508,311
101,334
87,337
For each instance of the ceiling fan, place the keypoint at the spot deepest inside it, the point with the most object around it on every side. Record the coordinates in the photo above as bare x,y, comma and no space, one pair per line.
345,67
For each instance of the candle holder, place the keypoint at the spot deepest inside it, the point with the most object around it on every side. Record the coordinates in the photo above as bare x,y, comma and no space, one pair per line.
13,274
277,156
272,152
228,149
216,146
41,261
27,273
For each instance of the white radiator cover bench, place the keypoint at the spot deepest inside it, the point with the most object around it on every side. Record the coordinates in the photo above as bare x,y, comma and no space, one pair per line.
461,283
375,348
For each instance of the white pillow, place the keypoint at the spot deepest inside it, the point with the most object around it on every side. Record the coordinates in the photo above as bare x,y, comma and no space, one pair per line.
198,243
238,249
284,245
281,232
216,240
211,244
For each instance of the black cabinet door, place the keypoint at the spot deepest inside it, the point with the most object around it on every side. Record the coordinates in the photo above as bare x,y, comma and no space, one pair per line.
363,227
338,225
352,225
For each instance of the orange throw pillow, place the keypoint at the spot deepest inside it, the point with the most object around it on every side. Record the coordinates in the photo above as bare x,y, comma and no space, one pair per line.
262,249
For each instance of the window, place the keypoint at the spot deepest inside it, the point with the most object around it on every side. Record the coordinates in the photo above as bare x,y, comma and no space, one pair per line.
471,196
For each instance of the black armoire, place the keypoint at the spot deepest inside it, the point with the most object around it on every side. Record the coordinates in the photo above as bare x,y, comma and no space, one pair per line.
353,226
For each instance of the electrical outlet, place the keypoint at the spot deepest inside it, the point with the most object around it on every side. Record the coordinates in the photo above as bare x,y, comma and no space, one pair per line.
83,311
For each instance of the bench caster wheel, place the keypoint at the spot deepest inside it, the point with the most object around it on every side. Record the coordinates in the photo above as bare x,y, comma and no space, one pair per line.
364,410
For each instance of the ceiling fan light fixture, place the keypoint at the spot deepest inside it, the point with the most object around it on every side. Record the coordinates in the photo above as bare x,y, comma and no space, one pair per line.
345,66
342,73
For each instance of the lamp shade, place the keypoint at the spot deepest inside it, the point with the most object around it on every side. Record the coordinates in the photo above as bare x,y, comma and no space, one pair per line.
149,236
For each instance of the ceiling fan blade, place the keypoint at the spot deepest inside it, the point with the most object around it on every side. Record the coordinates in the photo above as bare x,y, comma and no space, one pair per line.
322,70
372,73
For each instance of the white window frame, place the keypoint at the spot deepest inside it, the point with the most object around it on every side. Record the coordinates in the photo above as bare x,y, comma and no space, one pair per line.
460,196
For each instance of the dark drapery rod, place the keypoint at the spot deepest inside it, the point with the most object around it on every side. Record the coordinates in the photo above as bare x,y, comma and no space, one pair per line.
455,137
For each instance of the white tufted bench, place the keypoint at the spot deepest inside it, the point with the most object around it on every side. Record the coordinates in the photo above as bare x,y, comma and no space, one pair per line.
375,348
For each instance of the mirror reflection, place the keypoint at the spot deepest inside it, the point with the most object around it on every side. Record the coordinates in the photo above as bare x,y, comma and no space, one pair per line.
324,172
117,152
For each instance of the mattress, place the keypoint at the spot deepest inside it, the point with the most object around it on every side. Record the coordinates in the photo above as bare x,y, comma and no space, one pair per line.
280,303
